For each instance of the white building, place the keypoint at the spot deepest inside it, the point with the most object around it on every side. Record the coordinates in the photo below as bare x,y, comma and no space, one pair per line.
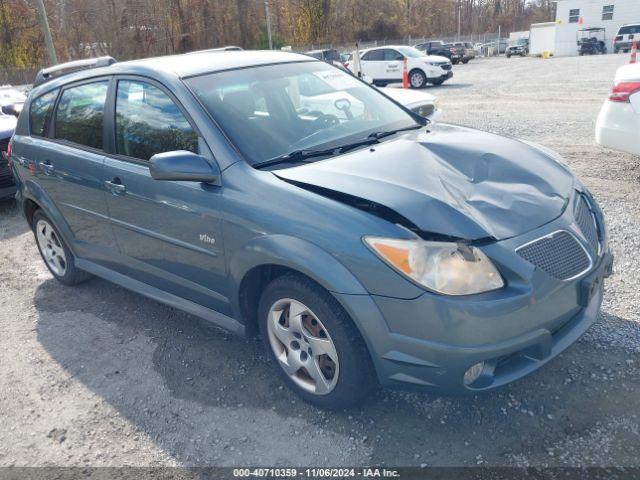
574,15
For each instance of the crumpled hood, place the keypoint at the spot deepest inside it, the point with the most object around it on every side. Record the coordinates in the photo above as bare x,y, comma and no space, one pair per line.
453,181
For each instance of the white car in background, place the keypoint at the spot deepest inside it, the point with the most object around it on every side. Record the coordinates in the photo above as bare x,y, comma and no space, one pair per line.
420,102
618,124
384,65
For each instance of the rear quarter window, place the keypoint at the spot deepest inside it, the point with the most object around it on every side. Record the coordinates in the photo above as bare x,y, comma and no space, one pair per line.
40,113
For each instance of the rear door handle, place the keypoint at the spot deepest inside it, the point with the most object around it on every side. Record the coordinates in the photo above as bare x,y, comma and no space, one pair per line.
115,186
47,167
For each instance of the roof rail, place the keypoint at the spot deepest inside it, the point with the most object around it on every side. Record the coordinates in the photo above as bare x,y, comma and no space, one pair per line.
47,74
228,48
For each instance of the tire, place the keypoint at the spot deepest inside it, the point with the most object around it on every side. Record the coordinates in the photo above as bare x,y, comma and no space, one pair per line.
417,79
465,61
508,55
55,253
347,379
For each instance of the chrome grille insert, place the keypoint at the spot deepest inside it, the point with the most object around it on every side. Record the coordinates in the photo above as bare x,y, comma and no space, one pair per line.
560,254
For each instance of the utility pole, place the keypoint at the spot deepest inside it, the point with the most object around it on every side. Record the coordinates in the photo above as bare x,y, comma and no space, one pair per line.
459,13
44,25
266,13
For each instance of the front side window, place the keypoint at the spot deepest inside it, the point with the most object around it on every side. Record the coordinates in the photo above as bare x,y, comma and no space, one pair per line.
272,110
149,122
574,15
80,114
40,112
392,55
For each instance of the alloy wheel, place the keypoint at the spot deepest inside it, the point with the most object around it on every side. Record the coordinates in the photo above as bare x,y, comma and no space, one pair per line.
303,347
417,80
51,248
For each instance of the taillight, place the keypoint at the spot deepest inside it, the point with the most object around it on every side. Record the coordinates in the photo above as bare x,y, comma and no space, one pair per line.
9,161
623,90
618,38
346,64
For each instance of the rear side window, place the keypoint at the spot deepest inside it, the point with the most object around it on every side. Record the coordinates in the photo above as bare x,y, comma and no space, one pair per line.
149,122
80,114
373,55
40,113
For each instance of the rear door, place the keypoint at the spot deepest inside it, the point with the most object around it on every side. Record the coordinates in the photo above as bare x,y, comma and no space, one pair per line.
67,150
393,60
169,233
372,64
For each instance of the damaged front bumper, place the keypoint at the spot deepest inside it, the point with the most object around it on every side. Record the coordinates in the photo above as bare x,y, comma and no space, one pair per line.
431,341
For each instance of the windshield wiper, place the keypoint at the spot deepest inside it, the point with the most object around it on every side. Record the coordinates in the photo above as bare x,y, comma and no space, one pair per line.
379,135
305,154
297,156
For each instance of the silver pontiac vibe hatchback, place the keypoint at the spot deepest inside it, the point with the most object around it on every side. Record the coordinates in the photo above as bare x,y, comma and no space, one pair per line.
272,193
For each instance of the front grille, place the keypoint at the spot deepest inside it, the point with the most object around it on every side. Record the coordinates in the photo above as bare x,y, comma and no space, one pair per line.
587,224
560,255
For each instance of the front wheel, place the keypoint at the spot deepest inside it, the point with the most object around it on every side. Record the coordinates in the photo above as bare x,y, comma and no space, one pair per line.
313,343
417,79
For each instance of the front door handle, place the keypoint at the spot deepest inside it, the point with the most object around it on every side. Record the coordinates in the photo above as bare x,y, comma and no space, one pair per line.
47,167
115,186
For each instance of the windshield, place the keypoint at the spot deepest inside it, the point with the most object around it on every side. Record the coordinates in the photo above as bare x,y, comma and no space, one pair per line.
411,52
270,111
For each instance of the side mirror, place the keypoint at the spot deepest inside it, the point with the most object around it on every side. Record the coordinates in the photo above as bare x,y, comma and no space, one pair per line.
183,165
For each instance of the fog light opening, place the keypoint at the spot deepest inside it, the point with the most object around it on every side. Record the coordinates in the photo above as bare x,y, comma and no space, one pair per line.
473,373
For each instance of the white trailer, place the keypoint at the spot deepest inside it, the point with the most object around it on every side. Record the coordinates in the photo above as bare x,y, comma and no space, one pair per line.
514,36
542,38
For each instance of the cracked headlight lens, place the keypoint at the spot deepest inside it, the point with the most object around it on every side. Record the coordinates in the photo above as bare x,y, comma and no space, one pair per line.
447,268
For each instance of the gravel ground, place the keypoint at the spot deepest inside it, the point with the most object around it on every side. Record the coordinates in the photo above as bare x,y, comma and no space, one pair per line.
99,376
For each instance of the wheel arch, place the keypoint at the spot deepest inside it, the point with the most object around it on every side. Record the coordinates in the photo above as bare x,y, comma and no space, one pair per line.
34,198
265,258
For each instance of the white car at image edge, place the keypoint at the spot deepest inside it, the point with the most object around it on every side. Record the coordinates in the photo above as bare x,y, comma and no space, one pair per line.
422,103
384,65
618,124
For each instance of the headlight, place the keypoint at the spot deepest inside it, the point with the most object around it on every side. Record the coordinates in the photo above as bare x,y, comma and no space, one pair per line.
443,267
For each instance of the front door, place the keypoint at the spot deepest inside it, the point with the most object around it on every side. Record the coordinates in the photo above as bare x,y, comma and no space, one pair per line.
169,233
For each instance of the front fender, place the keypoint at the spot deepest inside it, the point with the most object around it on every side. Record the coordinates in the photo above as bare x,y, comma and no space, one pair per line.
300,255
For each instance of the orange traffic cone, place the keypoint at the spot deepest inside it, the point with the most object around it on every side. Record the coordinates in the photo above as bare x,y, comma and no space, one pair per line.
405,74
634,50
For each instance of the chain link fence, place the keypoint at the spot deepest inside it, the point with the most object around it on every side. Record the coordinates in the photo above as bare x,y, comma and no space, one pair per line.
17,76
484,43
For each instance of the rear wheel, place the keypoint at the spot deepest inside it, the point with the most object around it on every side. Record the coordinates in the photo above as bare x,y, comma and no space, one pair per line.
57,257
465,61
313,343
